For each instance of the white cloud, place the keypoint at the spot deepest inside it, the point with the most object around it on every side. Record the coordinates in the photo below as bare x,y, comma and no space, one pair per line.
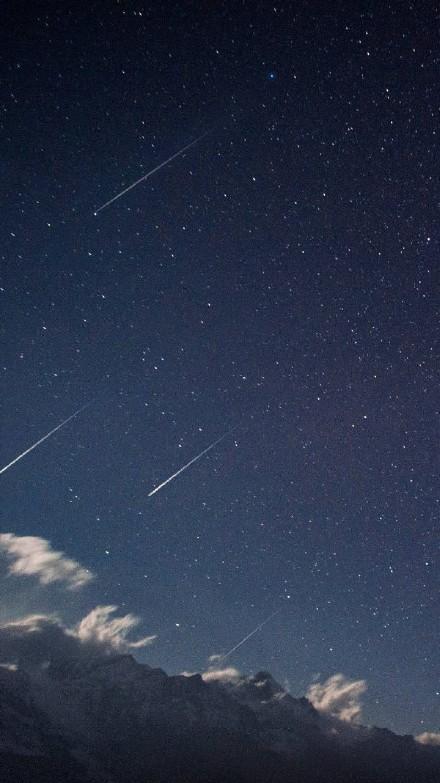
32,623
218,673
216,658
33,556
97,627
338,696
428,738
229,674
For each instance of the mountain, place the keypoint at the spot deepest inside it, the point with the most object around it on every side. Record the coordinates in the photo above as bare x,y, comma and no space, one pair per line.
110,719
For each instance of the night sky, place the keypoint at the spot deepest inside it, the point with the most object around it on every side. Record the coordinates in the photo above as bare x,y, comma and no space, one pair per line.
277,278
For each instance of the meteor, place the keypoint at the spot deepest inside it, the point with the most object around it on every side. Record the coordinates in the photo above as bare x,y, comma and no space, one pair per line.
194,459
249,635
149,174
45,437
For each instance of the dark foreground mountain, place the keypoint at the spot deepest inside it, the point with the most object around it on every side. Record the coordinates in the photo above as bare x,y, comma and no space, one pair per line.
113,720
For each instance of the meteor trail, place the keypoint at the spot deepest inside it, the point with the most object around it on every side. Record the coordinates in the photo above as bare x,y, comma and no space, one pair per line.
149,173
34,445
194,459
258,628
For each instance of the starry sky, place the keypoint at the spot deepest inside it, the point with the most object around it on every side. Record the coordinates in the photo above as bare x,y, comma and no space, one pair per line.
275,282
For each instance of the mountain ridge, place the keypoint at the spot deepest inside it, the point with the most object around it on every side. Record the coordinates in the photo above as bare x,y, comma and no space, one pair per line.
110,718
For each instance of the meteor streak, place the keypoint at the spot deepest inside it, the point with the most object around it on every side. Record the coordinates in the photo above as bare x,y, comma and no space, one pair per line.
194,459
149,174
249,635
34,445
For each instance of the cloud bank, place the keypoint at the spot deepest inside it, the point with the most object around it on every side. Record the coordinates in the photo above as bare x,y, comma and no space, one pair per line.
33,556
338,696
38,640
428,738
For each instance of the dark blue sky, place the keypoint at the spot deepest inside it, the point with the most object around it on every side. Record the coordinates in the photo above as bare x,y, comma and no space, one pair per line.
279,277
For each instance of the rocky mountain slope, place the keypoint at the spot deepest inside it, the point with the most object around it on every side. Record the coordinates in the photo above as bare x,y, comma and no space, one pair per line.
109,718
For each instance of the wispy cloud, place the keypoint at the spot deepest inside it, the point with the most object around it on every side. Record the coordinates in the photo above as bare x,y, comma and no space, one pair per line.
338,696
98,627
34,556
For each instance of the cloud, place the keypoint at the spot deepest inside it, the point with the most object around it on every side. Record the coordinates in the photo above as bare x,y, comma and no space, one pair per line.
218,673
33,556
428,738
37,639
97,627
216,658
229,674
338,696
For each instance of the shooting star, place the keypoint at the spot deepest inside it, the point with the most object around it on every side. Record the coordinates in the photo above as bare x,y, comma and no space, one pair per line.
194,459
222,658
149,174
45,437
